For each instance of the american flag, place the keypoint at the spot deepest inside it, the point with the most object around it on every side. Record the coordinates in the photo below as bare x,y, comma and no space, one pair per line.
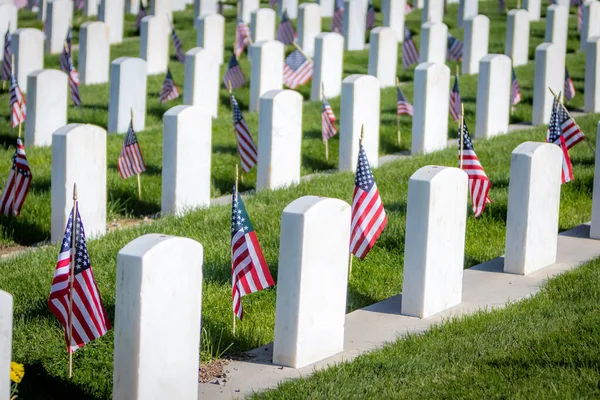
328,119
570,130
556,135
285,30
142,12
479,184
404,107
131,161
455,101
455,49
20,3
242,38
17,185
74,84
249,269
337,21
18,105
515,90
368,215
87,317
79,4
407,8
370,16
6,60
501,5
246,147
178,47
297,70
169,90
410,54
234,74
569,87
66,52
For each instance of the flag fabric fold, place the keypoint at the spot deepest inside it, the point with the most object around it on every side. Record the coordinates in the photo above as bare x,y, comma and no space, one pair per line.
142,12
410,54
88,318
328,129
368,215
569,89
66,51
455,49
18,105
178,46
337,22
370,16
297,70
242,38
249,269
455,101
515,91
285,30
6,60
555,135
246,147
404,106
131,161
18,182
479,184
74,84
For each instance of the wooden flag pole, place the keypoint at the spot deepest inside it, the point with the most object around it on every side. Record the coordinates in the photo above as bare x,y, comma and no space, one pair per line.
570,116
301,51
71,277
326,140
462,124
138,174
236,196
362,135
397,115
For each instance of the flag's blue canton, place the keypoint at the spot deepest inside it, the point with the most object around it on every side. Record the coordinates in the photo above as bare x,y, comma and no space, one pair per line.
555,130
467,143
233,62
22,171
364,176
130,139
239,216
295,60
284,17
455,87
407,34
237,113
401,96
82,258
325,105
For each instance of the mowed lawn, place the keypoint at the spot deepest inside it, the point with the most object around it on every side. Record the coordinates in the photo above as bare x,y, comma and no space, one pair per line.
38,337
33,226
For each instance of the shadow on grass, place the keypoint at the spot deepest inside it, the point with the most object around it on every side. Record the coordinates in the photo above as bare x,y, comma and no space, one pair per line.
132,204
23,232
38,384
8,141
316,163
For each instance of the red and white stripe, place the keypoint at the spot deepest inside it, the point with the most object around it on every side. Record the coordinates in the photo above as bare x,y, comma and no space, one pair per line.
567,167
18,105
405,107
479,184
74,85
368,220
246,147
410,54
571,132
6,60
455,108
515,93
130,161
299,77
242,38
17,186
328,129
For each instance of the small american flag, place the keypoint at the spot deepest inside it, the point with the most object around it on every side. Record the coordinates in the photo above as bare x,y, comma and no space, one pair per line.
285,30
6,60
404,107
234,74
20,3
328,119
501,5
178,47
410,54
18,105
515,90
249,269
87,317
17,185
455,49
556,135
579,15
131,161
142,12
337,21
66,52
74,84
479,184
407,8
455,101
79,4
570,130
370,16
242,38
169,90
368,215
297,70
246,147
569,87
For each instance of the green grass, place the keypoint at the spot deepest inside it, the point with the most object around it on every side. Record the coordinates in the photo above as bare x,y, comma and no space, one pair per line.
38,339
33,226
545,347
